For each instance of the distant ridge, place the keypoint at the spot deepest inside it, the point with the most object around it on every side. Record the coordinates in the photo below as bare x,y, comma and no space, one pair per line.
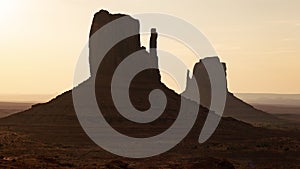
26,98
271,98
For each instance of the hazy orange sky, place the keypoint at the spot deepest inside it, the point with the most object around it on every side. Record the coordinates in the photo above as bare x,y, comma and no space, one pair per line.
258,39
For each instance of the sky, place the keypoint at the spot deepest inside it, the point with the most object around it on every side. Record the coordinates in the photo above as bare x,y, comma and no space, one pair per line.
40,41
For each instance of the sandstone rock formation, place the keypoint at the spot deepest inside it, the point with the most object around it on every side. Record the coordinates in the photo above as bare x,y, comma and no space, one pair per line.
59,113
234,107
55,123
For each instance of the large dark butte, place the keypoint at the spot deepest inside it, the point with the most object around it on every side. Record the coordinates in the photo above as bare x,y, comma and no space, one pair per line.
234,106
56,125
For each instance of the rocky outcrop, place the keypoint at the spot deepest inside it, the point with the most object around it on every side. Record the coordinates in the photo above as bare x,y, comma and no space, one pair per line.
120,50
234,106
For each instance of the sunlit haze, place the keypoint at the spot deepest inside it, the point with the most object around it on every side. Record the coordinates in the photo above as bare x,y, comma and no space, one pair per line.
259,41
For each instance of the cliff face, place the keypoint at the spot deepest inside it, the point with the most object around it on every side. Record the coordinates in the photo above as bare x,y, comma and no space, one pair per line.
121,50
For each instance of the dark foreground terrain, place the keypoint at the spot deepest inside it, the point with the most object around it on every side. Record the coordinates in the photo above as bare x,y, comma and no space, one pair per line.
20,150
